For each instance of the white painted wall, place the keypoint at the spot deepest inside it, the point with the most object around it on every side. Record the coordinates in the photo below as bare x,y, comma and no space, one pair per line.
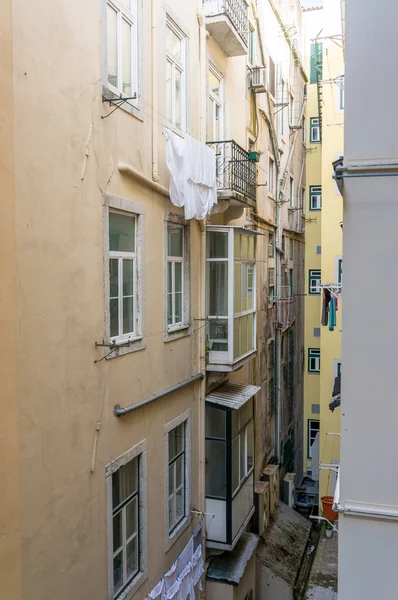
369,412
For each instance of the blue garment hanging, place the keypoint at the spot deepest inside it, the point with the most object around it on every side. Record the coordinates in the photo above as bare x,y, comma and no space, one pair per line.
332,314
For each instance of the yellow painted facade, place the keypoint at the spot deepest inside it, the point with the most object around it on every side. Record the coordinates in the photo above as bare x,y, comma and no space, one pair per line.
324,239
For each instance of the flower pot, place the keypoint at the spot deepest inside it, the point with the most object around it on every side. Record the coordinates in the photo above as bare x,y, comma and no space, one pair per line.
329,533
327,508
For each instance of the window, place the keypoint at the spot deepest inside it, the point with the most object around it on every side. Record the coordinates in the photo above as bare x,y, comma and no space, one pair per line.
291,109
291,249
291,283
271,395
271,284
272,78
339,262
319,249
314,284
340,88
313,429
316,66
282,109
291,191
123,276
303,130
283,243
230,264
252,46
314,360
315,130
317,332
215,105
127,521
271,176
271,245
315,197
242,444
177,480
338,369
122,48
175,76
175,275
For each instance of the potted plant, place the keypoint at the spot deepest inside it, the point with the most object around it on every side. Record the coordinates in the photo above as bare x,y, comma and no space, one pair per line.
329,529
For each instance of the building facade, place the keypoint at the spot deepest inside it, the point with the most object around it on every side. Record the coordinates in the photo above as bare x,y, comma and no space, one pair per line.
152,363
325,129
368,180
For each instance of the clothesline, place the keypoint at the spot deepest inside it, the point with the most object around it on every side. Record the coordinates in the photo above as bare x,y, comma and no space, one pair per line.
335,289
184,574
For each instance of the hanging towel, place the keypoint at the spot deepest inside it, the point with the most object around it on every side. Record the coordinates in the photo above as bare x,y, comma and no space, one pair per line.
325,306
157,590
332,314
186,588
170,578
175,146
197,567
185,557
173,591
202,162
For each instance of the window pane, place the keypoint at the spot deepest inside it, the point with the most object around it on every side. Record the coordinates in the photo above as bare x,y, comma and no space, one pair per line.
242,455
250,332
178,308
217,289
171,513
114,317
214,83
244,246
169,84
180,512
180,476
216,484
235,422
132,557
250,447
131,517
178,78
174,245
250,291
124,482
128,277
217,333
111,24
126,57
217,244
170,293
251,246
173,43
217,124
176,441
113,278
215,422
128,315
238,288
117,531
235,464
121,233
117,572
178,277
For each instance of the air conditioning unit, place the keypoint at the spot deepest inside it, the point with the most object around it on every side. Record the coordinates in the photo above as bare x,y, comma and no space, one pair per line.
289,489
261,499
271,474
258,79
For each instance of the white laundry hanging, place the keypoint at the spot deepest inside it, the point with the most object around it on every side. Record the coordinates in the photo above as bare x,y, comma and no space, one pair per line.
173,591
197,567
185,557
186,587
157,590
170,578
192,168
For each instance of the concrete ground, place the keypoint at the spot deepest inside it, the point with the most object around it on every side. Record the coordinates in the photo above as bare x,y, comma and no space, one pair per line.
322,584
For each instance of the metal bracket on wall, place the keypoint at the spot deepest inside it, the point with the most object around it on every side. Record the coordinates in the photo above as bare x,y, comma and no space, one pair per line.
118,102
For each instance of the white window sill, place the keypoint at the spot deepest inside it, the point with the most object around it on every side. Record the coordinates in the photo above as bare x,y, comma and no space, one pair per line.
171,539
175,332
137,582
134,110
125,346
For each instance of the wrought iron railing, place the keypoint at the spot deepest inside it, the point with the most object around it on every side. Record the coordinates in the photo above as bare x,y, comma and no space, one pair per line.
235,10
235,172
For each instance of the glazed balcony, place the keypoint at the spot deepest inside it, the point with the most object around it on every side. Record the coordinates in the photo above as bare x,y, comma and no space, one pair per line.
227,21
236,173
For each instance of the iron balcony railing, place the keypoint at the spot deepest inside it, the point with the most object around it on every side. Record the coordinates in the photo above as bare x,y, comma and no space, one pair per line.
235,10
235,172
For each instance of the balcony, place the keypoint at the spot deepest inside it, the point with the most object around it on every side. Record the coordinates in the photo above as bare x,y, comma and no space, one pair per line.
227,21
229,475
236,174
230,297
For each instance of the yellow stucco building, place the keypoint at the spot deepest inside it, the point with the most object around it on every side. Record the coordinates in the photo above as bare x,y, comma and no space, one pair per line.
323,254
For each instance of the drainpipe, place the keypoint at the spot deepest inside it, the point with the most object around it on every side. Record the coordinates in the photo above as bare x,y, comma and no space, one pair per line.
201,340
155,92
299,207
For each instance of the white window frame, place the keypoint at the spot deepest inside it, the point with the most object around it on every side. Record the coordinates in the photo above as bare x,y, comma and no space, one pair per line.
223,357
172,536
140,450
315,130
181,66
271,176
134,18
131,342
316,198
271,244
271,285
314,354
314,289
241,438
337,261
178,330
216,101
311,430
